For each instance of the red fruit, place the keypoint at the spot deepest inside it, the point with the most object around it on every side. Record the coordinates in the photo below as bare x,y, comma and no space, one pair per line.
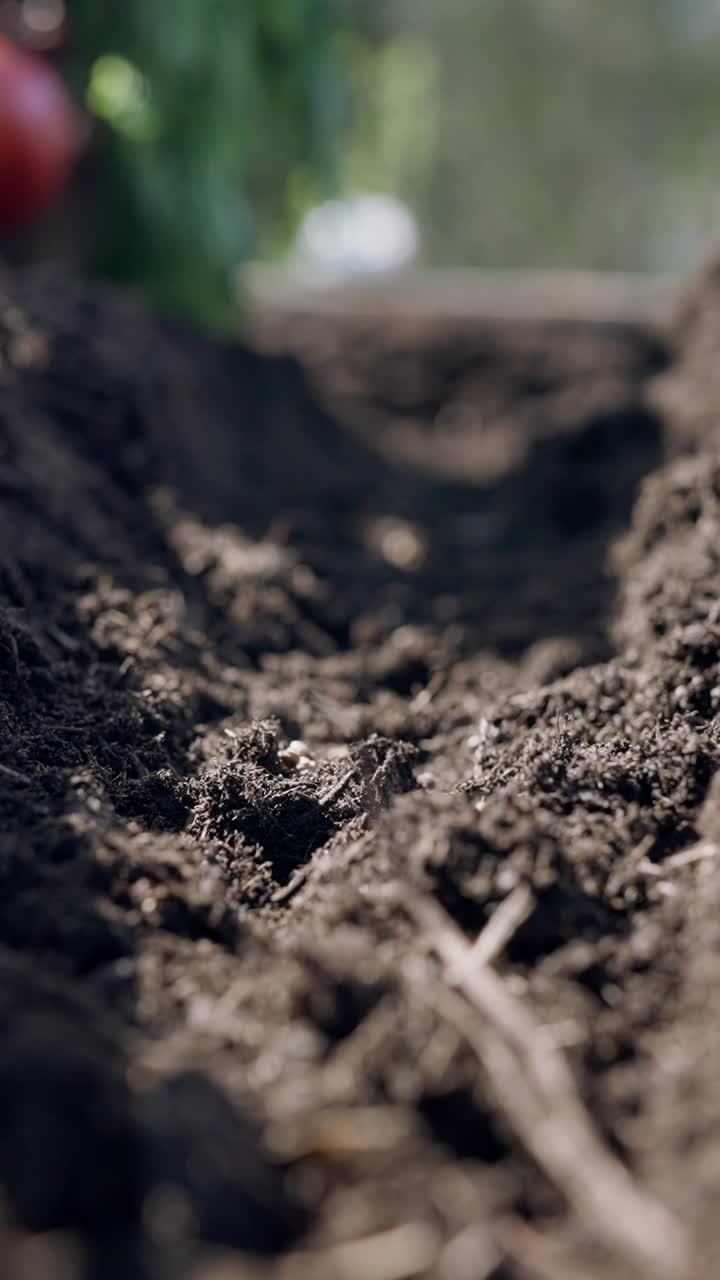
40,135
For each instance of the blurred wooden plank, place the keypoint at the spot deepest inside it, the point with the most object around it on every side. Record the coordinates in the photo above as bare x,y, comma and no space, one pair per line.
583,296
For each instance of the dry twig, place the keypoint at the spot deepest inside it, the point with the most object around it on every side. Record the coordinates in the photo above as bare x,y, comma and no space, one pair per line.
536,1091
700,852
15,775
288,891
502,926
337,788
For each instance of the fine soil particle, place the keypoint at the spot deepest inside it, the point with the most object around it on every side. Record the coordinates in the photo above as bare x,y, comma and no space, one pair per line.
359,842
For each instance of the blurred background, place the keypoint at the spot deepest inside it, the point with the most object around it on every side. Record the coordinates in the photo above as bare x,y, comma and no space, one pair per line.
509,133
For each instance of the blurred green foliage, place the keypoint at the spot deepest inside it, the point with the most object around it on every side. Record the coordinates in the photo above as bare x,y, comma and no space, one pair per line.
217,114
567,133
528,133
392,93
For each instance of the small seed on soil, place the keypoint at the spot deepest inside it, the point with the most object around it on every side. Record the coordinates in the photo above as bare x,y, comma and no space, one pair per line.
296,755
400,543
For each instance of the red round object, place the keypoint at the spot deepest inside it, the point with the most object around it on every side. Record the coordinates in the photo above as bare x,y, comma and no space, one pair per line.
39,135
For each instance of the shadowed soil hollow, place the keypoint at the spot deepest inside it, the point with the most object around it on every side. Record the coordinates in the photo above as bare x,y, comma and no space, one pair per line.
315,664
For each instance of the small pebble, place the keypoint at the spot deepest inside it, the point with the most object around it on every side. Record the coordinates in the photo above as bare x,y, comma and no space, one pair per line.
427,780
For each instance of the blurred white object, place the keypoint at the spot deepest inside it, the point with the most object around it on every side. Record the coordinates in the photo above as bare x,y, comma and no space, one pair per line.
366,234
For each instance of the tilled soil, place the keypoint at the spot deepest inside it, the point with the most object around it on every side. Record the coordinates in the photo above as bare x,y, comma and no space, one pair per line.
359,882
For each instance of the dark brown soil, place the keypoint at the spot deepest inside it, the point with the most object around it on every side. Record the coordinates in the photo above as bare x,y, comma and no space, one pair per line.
241,1032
